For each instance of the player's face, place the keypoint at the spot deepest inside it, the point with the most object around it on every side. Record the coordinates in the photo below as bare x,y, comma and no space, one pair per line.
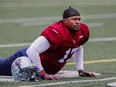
73,22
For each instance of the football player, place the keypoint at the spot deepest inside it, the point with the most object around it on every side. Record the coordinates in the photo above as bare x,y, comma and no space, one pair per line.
54,47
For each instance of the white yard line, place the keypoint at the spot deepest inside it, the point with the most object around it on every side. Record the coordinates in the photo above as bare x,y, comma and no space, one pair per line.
52,18
102,39
69,82
49,20
27,44
14,45
95,25
33,19
112,84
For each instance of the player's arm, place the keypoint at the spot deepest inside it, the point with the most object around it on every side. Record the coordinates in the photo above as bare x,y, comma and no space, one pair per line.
40,45
78,57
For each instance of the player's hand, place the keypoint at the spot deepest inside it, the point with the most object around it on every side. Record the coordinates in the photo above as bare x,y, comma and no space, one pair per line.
83,73
46,76
50,77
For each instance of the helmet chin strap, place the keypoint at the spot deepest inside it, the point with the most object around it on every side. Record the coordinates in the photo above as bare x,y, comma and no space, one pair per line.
19,67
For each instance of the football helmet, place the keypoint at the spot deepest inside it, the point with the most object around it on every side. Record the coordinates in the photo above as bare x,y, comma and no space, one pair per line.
23,69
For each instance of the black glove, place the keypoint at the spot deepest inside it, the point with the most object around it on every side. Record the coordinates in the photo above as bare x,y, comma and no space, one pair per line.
83,73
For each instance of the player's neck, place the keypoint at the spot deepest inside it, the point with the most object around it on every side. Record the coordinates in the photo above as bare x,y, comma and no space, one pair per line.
73,32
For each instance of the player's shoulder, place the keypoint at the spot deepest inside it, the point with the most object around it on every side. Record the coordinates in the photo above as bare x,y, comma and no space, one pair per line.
55,29
84,27
57,25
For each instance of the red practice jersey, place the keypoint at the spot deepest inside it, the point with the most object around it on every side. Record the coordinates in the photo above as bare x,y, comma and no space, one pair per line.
62,45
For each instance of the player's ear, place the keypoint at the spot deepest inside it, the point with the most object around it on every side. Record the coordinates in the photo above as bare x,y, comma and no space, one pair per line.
64,20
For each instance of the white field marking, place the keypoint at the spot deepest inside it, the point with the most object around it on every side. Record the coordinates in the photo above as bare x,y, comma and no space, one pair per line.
25,21
99,16
14,45
95,24
102,39
6,80
69,82
28,20
48,22
113,84
27,44
36,23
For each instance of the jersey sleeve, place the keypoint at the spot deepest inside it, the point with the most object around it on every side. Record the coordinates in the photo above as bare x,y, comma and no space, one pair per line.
53,37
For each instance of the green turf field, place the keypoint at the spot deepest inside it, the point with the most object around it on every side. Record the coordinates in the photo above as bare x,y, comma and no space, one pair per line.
21,21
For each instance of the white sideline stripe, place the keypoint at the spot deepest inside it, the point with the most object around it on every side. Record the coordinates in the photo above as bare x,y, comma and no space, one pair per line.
27,44
49,19
69,82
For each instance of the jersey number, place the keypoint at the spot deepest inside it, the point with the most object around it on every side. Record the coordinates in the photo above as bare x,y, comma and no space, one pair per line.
69,51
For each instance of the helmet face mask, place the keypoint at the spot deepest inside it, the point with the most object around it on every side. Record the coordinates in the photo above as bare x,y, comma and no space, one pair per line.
26,74
23,70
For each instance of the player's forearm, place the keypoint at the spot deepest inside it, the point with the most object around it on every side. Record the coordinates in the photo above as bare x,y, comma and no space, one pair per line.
78,57
35,58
